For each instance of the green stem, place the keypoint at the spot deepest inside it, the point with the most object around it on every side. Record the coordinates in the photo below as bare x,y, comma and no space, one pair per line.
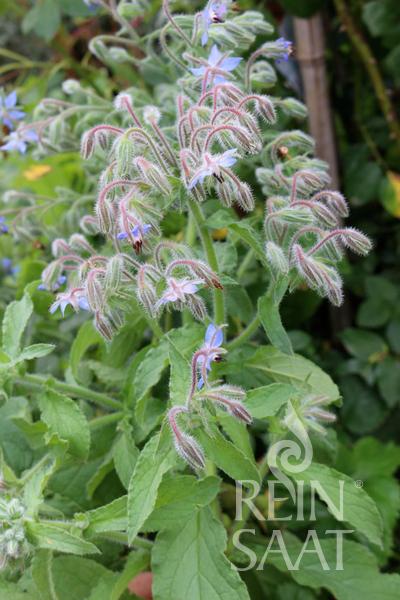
219,308
263,469
104,420
246,334
77,391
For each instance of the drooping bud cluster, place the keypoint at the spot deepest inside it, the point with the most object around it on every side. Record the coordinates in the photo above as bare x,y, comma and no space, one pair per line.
311,411
152,165
203,391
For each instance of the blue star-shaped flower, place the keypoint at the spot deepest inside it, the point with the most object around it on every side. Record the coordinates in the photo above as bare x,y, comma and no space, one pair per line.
216,62
8,112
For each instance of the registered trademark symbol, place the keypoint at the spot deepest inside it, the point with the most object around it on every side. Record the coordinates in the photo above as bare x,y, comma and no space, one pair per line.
359,483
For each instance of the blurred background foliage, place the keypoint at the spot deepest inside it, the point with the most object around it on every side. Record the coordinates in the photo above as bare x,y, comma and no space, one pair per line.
45,42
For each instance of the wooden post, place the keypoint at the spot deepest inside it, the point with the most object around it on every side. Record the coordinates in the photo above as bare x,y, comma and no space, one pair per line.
310,53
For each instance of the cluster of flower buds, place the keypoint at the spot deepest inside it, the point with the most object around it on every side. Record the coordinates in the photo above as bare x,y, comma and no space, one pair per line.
174,280
152,166
13,544
202,390
304,235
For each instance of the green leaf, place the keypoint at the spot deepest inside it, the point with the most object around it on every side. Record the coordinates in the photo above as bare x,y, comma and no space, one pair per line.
65,419
389,380
15,320
104,468
76,577
87,337
144,484
227,456
295,370
188,561
52,537
237,432
125,455
363,344
35,482
36,351
268,311
359,510
265,401
359,578
110,517
149,370
180,378
42,574
246,233
363,410
177,499
44,19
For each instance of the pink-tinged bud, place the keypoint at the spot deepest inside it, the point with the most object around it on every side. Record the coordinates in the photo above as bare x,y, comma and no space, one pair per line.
335,201
335,295
94,290
189,449
105,215
245,197
151,114
237,410
356,241
310,269
104,326
51,274
186,446
145,290
264,106
153,175
197,307
60,247
79,242
89,225
87,144
113,275
324,214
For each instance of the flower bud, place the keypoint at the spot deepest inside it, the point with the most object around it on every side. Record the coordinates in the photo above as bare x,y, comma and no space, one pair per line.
89,225
113,276
356,241
294,108
262,73
94,291
153,175
277,260
71,86
151,114
105,216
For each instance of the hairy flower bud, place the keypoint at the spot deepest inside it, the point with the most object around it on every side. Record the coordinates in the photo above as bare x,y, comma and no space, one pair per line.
186,446
151,114
277,260
153,175
71,86
294,108
356,241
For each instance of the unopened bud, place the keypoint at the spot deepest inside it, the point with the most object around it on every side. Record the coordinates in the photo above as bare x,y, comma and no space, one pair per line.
94,291
153,175
277,260
189,449
105,215
113,276
293,108
151,114
356,241
71,86
89,225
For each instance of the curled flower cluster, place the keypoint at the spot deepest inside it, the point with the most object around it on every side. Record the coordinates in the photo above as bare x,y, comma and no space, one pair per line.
13,544
153,165
202,392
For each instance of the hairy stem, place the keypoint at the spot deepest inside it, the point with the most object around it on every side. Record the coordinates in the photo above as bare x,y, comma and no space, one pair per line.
219,307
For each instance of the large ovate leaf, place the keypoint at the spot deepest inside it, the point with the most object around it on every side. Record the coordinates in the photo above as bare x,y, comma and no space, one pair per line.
188,562
266,401
145,481
53,537
65,419
345,499
15,320
296,370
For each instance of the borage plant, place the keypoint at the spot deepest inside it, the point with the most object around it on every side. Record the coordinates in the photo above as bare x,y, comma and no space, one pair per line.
182,264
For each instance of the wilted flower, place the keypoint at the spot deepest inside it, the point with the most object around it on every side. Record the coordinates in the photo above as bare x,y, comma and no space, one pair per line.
211,165
216,65
18,140
8,112
75,297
